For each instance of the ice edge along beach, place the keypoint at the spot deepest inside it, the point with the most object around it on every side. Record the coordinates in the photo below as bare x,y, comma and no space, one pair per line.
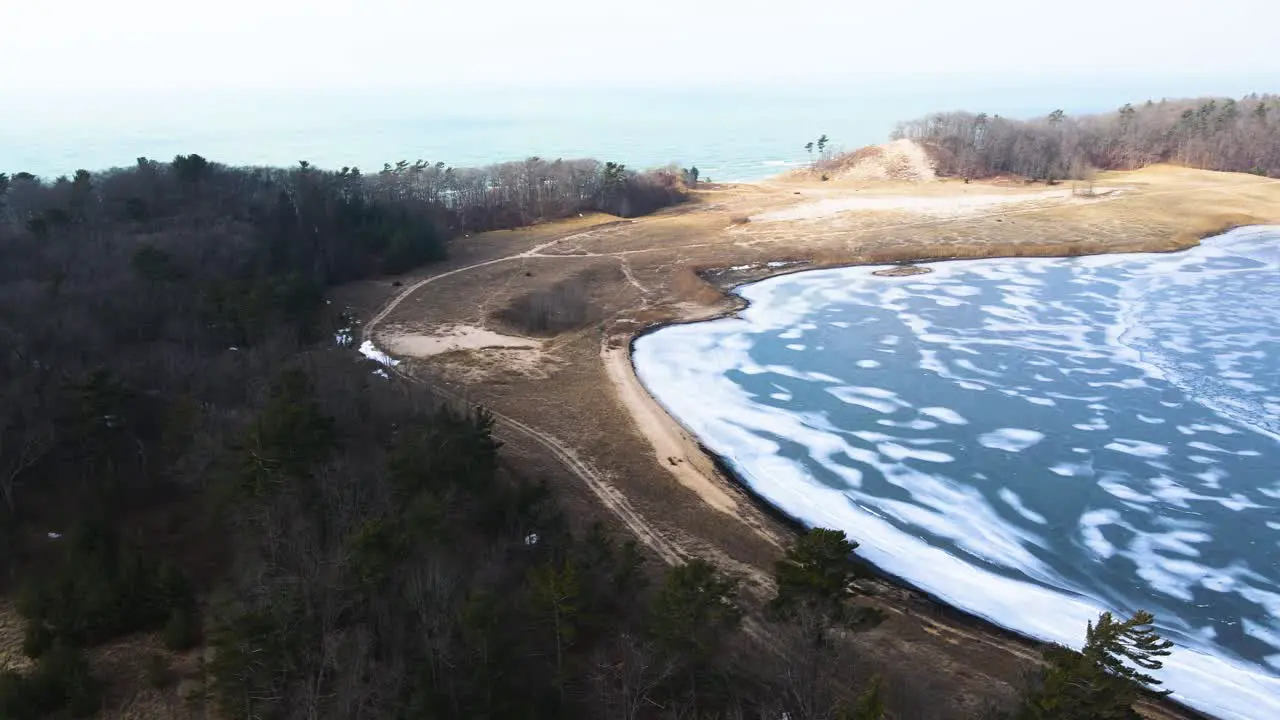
689,381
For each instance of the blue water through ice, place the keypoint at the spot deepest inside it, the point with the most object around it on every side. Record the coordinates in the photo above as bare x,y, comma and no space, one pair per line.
1032,440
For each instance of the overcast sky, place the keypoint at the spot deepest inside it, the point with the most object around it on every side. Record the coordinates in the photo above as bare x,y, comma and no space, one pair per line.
72,44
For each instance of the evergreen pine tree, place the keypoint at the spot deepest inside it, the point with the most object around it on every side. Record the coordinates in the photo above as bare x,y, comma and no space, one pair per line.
694,611
1098,682
1110,643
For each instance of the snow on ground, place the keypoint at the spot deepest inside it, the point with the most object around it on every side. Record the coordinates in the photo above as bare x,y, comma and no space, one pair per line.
371,351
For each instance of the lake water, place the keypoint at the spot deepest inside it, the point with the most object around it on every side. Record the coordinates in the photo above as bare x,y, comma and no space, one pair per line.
729,134
1032,440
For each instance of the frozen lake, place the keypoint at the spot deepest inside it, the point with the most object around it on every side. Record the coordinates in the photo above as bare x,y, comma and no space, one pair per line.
1032,440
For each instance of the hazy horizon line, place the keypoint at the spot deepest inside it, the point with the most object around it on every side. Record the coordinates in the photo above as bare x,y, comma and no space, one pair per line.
969,80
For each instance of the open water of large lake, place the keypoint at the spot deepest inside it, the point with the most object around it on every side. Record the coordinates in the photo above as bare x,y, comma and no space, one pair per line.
1032,440
731,134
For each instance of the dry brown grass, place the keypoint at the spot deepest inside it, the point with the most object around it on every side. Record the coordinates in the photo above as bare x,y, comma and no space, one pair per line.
1213,225
11,632
132,694
688,285
121,665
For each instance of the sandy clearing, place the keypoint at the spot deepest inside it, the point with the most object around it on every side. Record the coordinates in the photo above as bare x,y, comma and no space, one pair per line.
897,160
910,157
900,160
942,206
675,451
454,338
496,365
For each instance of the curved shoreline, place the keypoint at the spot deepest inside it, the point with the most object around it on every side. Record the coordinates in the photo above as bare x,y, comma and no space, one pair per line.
725,469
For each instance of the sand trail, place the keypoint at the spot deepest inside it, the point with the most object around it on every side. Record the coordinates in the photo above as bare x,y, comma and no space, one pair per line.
670,443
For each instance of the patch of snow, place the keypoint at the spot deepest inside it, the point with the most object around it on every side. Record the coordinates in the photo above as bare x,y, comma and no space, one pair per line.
369,350
1010,439
1137,448
946,415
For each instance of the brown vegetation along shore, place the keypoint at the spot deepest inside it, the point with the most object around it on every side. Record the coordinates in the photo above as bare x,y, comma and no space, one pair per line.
574,408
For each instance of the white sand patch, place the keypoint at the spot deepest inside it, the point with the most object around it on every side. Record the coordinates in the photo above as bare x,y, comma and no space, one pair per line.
898,160
454,338
931,205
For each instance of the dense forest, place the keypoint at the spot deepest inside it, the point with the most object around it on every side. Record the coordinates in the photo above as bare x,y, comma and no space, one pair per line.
186,453
142,308
1213,134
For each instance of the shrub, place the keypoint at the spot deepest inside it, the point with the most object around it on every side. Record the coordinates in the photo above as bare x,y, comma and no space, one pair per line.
180,630
245,644
563,307
102,590
63,679
30,600
136,209
15,697
60,681
36,638
159,674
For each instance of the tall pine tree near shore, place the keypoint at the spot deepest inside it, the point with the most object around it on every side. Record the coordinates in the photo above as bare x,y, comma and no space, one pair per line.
1102,681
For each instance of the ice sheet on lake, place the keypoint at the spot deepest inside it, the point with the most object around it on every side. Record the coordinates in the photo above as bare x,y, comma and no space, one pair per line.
1120,343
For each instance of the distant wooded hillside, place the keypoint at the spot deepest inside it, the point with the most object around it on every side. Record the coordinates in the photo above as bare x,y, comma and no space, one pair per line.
1209,133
